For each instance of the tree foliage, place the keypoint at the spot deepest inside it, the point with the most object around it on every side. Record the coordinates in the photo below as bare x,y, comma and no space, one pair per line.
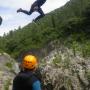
69,23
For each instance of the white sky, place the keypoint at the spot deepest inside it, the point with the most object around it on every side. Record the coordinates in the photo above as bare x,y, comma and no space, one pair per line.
12,20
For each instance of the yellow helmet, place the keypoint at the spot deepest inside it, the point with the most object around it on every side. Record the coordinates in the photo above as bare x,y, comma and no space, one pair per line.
29,62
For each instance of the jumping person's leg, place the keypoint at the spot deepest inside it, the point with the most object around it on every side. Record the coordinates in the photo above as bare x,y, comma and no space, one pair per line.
24,11
31,10
41,14
35,7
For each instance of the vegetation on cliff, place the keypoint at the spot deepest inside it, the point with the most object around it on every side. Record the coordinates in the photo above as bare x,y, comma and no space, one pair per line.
68,24
62,37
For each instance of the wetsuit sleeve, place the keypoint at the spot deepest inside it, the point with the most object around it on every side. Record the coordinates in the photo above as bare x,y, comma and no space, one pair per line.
36,85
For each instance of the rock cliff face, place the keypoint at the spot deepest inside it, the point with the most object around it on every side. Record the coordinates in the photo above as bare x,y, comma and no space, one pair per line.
65,71
8,69
61,70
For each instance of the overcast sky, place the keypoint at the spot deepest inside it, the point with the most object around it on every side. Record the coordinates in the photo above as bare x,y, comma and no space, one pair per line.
12,20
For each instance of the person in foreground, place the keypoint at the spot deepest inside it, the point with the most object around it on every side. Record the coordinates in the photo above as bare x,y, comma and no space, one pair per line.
25,79
36,6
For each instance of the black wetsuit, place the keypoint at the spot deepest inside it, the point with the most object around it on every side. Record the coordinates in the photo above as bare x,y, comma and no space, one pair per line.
36,6
41,2
24,81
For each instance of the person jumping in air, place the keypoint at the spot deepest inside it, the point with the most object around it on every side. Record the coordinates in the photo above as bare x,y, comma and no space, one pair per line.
36,6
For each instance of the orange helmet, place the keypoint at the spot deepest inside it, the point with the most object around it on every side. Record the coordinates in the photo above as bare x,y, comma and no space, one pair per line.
29,62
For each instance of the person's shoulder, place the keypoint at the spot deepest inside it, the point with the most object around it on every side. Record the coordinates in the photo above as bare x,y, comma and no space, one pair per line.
36,85
27,75
34,78
23,75
31,76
